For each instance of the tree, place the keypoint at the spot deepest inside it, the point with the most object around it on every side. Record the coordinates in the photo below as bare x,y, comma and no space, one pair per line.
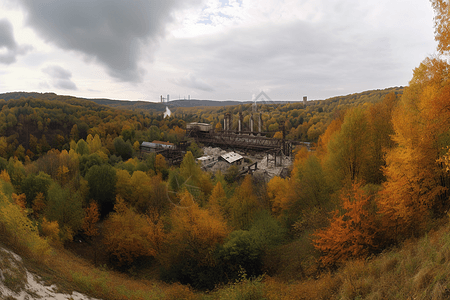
129,235
348,150
441,25
189,168
123,186
350,235
416,185
243,205
278,190
190,245
91,217
141,192
217,200
65,207
195,150
38,205
102,181
35,184
122,148
82,147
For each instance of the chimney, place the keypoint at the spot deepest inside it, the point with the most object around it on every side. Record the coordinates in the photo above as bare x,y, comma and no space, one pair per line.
260,123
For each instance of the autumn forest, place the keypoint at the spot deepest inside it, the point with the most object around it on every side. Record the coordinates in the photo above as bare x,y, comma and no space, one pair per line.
84,206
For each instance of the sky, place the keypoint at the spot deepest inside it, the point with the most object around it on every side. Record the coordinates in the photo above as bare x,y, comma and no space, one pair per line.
211,49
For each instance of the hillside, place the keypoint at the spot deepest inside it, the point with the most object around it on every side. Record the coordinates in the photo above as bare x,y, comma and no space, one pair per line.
416,270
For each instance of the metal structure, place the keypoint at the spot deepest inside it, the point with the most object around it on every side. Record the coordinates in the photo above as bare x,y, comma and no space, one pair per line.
244,140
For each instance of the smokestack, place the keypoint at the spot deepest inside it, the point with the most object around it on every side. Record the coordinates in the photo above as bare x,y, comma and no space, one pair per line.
260,123
161,99
167,97
251,123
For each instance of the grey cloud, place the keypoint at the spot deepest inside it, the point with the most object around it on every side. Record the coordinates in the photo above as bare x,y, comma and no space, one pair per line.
191,81
110,31
298,56
9,45
61,77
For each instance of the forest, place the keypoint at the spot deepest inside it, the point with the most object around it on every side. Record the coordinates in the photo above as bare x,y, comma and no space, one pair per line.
365,207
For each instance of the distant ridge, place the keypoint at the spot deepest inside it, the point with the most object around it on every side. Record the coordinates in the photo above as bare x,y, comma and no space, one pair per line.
161,107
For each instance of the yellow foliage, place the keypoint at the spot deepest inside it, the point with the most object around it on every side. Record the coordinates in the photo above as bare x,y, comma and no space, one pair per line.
123,185
136,146
129,235
22,231
195,233
160,163
243,204
51,230
5,176
278,135
278,191
217,200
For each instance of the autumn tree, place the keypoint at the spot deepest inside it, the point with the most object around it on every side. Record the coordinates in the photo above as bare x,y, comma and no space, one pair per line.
243,205
91,217
278,191
351,234
348,150
38,205
416,183
442,25
189,247
129,235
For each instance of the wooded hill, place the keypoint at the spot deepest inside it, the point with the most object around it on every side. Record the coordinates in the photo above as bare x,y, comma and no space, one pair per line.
33,123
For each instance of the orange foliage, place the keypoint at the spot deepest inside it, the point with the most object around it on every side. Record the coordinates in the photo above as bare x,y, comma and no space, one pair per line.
20,200
351,235
38,204
91,217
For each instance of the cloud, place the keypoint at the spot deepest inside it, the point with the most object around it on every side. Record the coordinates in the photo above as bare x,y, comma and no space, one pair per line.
9,49
60,77
329,49
191,81
113,32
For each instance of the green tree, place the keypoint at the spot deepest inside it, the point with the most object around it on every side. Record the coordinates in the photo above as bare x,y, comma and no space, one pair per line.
34,184
122,148
102,182
65,207
82,147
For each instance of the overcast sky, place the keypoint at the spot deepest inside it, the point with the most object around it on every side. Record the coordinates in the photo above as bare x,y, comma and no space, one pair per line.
211,49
